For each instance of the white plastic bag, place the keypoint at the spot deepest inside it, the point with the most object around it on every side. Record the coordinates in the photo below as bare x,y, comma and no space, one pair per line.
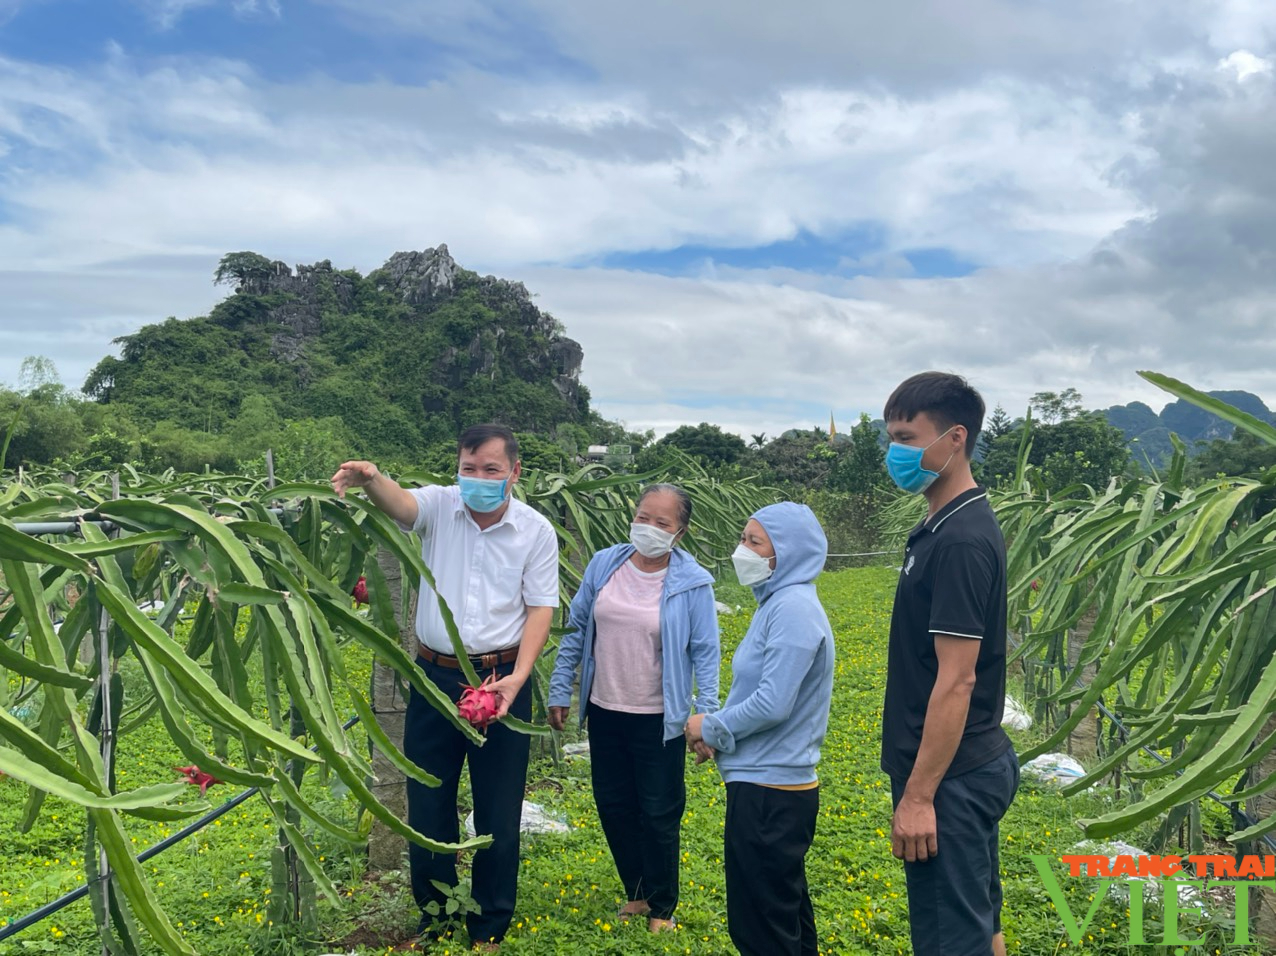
535,819
1052,769
1014,716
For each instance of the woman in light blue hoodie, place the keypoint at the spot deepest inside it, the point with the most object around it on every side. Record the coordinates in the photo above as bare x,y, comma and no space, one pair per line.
642,625
766,738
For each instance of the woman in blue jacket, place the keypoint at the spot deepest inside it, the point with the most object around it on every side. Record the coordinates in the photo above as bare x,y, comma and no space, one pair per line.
767,736
641,627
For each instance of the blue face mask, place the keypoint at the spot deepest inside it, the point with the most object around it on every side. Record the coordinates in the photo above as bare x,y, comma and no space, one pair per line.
904,465
482,494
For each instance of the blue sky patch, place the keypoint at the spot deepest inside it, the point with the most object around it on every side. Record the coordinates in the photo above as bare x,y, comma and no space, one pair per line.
307,39
859,251
938,263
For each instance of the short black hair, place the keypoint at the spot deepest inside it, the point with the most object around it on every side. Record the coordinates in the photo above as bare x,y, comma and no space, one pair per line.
684,500
947,398
476,436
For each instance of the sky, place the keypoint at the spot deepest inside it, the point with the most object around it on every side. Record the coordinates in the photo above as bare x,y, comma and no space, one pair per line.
752,214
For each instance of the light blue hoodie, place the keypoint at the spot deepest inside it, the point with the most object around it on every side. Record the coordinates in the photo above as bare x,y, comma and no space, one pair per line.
771,727
688,637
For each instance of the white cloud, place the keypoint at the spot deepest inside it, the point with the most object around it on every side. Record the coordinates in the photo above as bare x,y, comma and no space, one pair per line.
1244,64
1006,172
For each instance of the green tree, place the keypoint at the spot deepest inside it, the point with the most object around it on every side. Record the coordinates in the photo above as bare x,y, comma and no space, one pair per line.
862,470
1242,454
37,372
42,419
1081,449
604,432
243,269
168,445
306,450
109,449
799,458
1055,407
709,443
539,454
998,424
256,427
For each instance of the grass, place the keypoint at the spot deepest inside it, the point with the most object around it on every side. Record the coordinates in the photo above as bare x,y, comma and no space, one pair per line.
216,885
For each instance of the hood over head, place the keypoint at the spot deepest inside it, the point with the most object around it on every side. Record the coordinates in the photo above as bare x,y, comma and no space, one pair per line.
800,546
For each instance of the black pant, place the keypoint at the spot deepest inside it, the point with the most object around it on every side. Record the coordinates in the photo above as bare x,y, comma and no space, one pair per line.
498,778
768,832
640,793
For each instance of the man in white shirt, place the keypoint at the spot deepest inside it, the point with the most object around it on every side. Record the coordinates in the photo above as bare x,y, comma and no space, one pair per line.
495,561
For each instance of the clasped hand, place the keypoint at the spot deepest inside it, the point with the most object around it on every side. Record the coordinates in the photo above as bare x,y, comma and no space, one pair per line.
695,740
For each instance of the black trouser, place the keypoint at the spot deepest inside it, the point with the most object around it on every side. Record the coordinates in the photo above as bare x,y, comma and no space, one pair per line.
768,832
498,778
640,793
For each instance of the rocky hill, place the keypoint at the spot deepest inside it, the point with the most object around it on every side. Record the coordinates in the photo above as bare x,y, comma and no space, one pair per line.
1149,431
404,356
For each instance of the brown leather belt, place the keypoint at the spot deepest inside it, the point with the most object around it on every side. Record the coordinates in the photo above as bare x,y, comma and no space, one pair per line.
490,659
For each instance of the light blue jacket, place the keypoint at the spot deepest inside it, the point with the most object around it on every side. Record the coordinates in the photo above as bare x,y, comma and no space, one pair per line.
777,713
688,637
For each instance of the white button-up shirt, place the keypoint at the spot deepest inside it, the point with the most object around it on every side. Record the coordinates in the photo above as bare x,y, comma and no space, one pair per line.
489,577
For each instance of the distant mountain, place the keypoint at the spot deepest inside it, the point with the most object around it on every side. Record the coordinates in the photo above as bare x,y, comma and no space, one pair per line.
1133,419
1149,433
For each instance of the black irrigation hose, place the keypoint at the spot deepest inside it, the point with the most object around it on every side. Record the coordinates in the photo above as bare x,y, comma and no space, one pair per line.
44,912
1233,806
73,527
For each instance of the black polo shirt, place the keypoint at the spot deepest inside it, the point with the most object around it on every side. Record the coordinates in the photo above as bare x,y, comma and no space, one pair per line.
953,582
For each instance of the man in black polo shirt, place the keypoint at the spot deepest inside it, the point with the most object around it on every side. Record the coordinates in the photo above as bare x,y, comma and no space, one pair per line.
953,771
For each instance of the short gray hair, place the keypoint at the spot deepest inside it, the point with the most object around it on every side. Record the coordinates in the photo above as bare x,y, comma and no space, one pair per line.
684,500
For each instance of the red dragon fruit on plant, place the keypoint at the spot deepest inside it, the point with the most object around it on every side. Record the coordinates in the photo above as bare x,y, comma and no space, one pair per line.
197,777
360,591
479,705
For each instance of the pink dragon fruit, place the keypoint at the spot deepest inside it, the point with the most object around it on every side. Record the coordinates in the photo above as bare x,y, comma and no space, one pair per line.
196,777
360,591
479,705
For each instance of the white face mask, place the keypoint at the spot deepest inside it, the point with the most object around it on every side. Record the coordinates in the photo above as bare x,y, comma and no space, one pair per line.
750,567
650,541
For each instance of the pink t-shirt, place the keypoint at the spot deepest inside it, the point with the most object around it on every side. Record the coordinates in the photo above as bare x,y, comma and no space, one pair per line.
627,654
